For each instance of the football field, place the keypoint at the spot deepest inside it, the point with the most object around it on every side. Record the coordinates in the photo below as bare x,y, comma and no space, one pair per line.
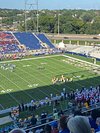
27,79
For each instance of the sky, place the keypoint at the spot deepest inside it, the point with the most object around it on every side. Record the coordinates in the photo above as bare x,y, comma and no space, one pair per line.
51,4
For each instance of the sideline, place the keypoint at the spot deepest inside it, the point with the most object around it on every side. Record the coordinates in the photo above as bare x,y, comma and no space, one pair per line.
17,60
81,60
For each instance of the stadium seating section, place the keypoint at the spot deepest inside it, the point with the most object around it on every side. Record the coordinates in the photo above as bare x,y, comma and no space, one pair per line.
8,43
11,42
45,40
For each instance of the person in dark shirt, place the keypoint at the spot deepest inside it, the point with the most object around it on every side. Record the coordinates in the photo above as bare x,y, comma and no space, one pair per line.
33,120
63,124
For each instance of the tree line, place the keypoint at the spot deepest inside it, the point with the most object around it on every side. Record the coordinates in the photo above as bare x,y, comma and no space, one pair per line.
69,21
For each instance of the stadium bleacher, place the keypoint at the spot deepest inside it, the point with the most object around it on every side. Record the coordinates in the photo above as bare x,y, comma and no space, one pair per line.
29,40
8,44
91,51
44,39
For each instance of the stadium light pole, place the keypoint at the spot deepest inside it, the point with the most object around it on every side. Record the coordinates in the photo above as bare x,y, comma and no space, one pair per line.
25,16
58,23
37,17
30,5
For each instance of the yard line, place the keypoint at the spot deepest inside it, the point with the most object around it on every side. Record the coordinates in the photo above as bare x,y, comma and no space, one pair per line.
16,85
10,95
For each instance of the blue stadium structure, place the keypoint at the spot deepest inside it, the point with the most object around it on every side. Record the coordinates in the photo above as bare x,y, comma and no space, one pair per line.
44,39
29,40
14,42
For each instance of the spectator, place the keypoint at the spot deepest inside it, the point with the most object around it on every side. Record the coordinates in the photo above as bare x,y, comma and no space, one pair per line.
47,128
17,130
55,115
63,124
79,124
98,123
54,126
33,120
93,118
43,117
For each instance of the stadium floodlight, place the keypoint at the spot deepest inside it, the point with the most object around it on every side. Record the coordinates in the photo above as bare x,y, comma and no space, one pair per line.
58,23
29,6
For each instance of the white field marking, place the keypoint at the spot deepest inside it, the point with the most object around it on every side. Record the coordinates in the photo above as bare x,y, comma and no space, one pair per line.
6,91
26,65
10,95
68,69
16,85
29,59
32,85
43,63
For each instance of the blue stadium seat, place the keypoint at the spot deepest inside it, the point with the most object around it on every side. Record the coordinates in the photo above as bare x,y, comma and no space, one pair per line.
28,39
44,39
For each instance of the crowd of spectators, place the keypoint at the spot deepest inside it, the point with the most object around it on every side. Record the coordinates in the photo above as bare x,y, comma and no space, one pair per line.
80,100
76,123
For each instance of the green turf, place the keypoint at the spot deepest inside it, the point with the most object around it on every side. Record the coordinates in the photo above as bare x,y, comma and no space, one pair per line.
31,79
